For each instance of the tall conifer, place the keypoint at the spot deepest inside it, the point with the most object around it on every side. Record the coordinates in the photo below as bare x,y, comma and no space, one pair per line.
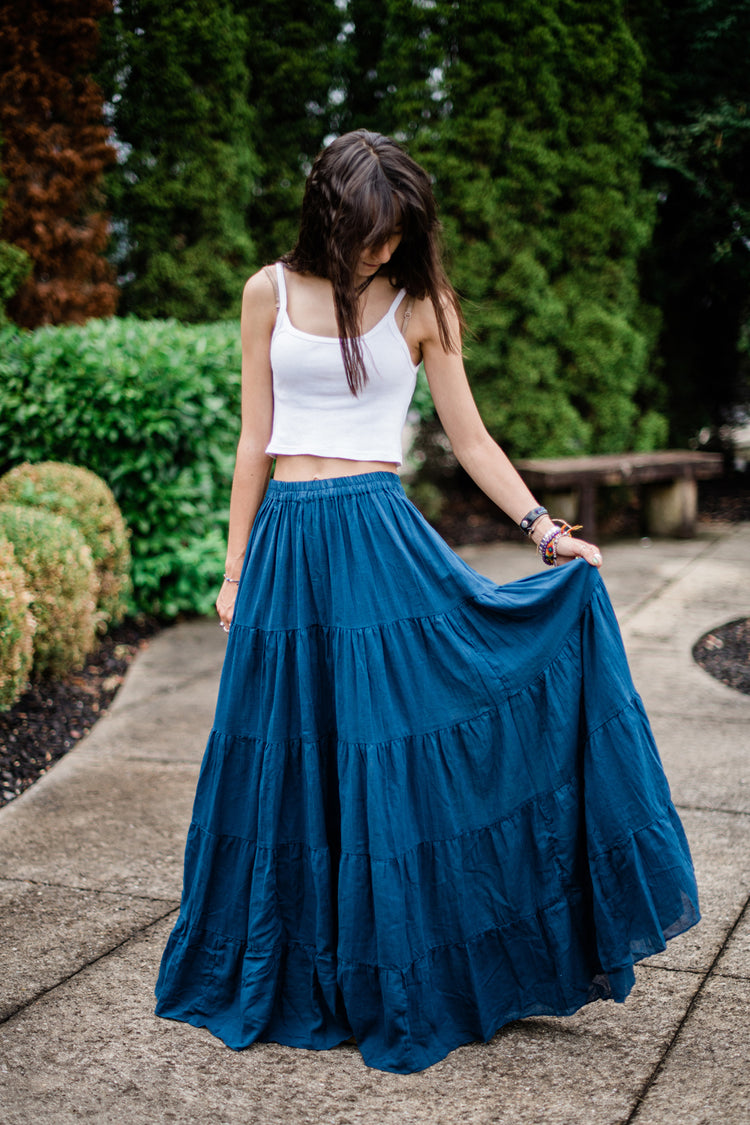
292,58
54,154
528,118
177,83
698,115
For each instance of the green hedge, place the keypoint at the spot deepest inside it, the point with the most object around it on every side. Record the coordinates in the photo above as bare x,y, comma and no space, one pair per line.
153,408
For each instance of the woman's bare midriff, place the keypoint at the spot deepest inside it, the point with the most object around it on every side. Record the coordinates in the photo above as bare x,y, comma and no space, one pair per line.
307,467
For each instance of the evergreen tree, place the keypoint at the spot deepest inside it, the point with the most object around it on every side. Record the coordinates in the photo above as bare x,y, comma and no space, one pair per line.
528,118
56,147
389,55
177,83
292,58
696,107
15,266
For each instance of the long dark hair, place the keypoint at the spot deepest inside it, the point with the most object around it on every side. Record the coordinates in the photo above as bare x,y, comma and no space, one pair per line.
363,187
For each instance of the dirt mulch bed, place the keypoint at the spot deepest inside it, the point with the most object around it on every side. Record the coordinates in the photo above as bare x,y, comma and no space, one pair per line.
53,715
725,654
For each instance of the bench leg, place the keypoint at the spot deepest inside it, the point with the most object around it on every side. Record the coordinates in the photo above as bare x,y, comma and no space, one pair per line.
587,511
575,506
671,509
561,505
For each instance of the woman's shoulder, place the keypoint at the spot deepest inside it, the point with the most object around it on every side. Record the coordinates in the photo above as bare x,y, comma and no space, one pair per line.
261,288
262,282
260,297
427,320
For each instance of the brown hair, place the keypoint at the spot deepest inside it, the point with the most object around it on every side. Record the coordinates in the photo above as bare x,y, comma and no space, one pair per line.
362,187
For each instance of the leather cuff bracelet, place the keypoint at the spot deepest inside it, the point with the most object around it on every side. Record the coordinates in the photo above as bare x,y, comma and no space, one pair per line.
528,521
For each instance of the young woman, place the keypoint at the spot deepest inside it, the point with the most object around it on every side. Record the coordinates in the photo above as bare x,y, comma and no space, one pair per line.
429,804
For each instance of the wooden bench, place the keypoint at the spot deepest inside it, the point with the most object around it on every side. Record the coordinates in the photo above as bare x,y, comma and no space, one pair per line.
667,479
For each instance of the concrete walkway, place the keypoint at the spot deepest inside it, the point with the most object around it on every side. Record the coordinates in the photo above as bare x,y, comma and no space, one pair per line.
90,870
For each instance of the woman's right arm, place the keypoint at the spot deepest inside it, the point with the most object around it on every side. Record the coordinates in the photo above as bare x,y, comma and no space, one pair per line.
253,465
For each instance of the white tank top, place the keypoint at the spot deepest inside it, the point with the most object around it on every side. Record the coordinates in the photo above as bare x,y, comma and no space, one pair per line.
313,409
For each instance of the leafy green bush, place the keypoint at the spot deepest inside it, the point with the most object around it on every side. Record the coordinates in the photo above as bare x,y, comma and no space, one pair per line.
16,628
61,579
151,407
89,504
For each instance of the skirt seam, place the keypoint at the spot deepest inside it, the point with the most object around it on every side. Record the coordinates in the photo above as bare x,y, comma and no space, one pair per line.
471,939
631,835
348,629
407,851
632,698
493,709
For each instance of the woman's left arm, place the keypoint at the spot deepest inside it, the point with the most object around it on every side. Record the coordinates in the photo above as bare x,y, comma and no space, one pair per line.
475,450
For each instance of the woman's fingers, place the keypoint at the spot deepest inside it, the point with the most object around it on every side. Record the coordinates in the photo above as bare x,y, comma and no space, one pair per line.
225,606
570,548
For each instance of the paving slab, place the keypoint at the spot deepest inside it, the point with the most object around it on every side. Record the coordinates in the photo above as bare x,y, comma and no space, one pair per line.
179,657
101,826
99,1028
170,728
634,570
709,591
671,682
735,959
53,932
705,1079
720,846
708,764
91,858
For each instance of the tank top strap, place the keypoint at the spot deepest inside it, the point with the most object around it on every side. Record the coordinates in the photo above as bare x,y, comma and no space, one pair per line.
281,283
408,308
396,302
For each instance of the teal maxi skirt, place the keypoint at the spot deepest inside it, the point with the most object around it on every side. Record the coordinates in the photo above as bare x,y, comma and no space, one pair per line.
429,804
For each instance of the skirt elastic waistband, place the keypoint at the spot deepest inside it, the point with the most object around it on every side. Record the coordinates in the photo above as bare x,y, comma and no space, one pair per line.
381,481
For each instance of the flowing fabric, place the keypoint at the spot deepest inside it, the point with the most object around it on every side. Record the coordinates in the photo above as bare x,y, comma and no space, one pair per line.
429,804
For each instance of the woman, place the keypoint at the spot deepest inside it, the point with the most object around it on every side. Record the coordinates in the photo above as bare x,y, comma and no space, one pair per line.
429,804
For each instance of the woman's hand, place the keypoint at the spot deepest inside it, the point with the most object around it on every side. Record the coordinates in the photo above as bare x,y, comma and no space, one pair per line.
225,604
566,547
569,548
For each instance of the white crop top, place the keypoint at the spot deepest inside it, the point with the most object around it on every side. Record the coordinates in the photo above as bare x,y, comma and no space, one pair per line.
313,409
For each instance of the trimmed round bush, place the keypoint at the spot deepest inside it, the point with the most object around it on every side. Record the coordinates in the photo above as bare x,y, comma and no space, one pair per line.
16,628
83,498
61,580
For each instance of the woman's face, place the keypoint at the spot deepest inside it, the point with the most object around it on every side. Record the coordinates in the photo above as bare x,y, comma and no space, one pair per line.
373,257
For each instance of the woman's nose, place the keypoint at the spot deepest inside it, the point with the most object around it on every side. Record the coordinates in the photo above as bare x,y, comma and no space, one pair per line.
383,252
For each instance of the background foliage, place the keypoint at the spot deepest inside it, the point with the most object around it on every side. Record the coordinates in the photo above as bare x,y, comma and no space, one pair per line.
153,409
55,150
83,498
292,64
61,581
528,119
176,81
698,167
591,162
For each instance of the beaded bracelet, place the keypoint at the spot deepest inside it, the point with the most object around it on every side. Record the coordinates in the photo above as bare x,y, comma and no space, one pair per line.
547,549
548,543
234,581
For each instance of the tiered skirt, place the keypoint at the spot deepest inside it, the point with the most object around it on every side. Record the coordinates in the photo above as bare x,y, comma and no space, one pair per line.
429,804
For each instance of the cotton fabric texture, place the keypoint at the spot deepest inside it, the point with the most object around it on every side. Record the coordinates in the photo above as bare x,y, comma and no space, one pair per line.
315,412
429,804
